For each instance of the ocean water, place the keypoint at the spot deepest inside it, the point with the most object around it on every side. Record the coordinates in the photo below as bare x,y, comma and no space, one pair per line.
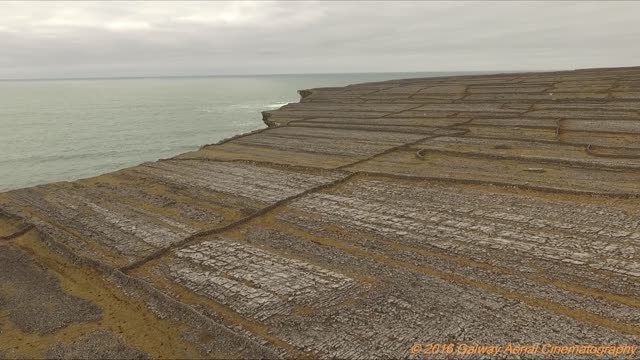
59,130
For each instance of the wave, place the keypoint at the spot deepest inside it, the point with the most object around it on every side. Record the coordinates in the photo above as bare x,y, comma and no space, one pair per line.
273,106
249,107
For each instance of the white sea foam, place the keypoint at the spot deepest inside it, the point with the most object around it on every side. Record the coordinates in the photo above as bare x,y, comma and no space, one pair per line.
273,106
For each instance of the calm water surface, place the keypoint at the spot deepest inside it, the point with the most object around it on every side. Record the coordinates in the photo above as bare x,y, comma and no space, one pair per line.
59,130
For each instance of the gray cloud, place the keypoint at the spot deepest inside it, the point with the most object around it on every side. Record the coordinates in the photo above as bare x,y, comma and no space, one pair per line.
94,39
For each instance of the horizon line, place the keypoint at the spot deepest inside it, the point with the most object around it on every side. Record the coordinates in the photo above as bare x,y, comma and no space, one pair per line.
256,75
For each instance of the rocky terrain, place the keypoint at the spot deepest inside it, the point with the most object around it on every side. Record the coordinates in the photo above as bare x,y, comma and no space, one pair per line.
491,210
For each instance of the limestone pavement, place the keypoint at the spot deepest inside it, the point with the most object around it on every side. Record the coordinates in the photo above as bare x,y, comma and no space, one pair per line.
491,210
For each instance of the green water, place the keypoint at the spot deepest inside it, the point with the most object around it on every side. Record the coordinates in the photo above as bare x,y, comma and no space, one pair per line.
69,129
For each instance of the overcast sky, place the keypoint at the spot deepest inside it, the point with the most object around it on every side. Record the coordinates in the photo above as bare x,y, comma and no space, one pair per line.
105,39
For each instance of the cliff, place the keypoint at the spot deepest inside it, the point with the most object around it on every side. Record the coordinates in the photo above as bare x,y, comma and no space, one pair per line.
363,220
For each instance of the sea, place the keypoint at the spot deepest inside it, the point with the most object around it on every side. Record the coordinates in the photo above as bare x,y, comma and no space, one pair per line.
62,130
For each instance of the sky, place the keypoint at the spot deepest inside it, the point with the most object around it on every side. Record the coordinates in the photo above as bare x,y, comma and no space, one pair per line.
124,39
